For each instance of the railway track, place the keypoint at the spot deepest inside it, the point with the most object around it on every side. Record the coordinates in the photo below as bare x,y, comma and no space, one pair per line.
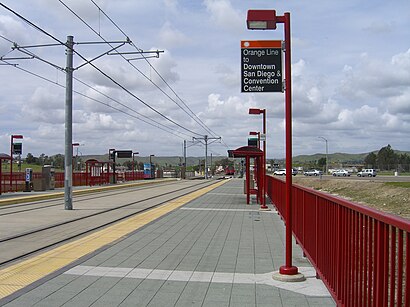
41,204
84,220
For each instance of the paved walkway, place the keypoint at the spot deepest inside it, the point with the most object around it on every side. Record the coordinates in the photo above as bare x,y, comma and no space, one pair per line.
215,251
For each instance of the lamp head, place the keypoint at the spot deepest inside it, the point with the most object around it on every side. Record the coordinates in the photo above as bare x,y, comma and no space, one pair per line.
261,20
254,111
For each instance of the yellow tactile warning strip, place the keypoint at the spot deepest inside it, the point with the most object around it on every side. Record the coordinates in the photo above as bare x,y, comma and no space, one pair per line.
25,199
22,274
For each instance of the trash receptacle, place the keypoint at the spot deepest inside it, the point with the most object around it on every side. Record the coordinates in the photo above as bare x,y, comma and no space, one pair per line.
49,177
39,184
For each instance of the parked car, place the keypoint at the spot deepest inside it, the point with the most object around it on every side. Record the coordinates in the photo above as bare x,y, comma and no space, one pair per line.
367,172
341,172
313,172
282,172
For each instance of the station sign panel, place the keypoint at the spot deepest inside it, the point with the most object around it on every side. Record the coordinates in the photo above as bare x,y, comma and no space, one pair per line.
261,66
124,153
17,148
253,142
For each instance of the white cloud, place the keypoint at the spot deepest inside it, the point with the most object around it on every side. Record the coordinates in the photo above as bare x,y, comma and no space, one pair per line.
402,60
170,37
224,15
44,107
13,30
400,103
374,77
379,26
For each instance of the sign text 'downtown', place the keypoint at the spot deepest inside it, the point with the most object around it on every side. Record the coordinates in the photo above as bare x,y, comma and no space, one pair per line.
261,66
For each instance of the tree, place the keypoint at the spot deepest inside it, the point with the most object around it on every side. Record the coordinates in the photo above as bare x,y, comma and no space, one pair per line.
404,162
370,160
128,165
225,162
30,159
58,161
386,158
321,162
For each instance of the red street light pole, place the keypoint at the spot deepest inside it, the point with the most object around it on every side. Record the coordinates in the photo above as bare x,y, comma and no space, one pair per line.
260,175
254,111
13,136
267,20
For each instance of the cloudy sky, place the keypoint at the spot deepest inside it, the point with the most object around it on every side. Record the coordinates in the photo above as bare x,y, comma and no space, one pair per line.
350,70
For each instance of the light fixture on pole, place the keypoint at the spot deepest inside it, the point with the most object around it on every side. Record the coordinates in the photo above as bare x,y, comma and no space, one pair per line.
267,20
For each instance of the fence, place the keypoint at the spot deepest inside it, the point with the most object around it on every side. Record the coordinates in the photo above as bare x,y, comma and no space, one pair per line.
18,182
361,254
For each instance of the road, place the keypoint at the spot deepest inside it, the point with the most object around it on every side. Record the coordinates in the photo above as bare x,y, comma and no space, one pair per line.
377,178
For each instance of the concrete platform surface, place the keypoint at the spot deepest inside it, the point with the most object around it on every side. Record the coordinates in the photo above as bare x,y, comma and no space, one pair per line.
214,251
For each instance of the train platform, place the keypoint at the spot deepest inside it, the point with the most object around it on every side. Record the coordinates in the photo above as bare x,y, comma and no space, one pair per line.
205,249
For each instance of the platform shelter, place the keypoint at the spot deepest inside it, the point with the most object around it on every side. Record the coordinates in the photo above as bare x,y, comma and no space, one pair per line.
98,172
3,157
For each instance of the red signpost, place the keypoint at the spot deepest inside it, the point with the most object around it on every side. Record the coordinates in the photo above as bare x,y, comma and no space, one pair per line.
267,20
14,136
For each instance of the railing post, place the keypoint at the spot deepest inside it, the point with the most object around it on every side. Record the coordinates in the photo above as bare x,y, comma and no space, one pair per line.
379,273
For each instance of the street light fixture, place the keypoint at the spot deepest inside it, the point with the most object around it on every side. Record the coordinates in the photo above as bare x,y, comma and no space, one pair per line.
261,20
150,156
327,161
255,111
267,20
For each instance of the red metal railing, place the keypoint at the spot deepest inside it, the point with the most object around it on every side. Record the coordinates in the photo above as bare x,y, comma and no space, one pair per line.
361,254
79,179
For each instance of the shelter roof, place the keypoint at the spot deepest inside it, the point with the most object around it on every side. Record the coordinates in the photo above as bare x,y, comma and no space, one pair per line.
247,151
4,156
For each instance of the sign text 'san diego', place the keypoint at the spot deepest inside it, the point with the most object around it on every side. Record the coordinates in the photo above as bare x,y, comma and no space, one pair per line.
261,66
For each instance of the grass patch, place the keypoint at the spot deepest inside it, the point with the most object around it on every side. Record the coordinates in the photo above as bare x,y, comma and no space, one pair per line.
399,184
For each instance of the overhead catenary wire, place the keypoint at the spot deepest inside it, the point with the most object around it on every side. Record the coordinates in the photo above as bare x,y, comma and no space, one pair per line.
194,116
149,121
167,84
98,69
98,34
190,114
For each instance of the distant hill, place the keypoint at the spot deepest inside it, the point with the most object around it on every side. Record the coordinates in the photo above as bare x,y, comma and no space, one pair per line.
335,157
